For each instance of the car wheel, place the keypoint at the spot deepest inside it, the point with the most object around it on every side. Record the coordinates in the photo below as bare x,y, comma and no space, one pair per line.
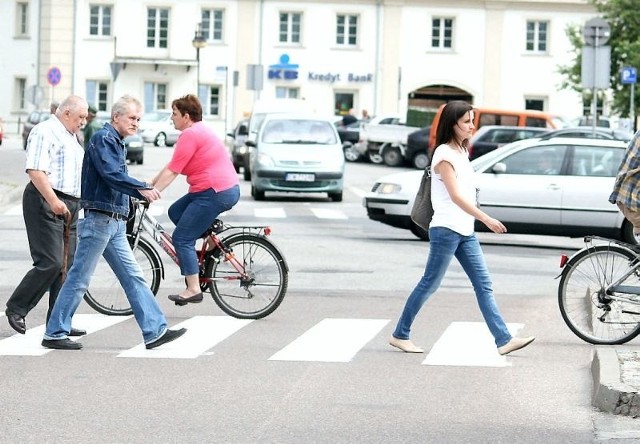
350,153
246,173
420,161
161,140
140,160
419,232
375,158
257,194
391,155
336,197
236,167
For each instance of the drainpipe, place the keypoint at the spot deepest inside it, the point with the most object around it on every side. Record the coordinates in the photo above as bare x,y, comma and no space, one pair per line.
378,56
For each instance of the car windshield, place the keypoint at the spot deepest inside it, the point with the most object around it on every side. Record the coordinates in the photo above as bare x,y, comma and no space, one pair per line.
298,131
156,116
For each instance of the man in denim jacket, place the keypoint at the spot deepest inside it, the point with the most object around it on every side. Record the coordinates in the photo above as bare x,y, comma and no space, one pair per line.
106,187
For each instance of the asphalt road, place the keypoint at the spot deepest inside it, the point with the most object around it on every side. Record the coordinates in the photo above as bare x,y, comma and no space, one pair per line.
319,369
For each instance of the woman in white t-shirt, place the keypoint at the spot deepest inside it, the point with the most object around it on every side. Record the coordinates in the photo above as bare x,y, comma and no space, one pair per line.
451,233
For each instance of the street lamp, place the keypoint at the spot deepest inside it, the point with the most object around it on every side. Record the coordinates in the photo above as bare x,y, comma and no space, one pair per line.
198,42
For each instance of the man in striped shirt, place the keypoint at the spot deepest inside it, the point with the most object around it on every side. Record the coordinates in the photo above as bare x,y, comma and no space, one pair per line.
54,165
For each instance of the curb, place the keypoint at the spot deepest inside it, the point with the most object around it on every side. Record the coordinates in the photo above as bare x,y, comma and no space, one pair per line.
610,394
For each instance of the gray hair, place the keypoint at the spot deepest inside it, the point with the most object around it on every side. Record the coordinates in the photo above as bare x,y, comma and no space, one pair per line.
121,106
73,104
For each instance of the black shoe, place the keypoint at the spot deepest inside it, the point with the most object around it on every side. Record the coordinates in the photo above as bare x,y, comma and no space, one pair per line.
168,336
179,300
61,344
16,321
77,332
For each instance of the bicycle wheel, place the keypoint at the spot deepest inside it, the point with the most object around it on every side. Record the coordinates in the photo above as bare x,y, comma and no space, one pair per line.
585,307
107,296
262,290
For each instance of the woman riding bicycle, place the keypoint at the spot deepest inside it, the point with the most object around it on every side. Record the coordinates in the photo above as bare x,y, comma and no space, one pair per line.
213,188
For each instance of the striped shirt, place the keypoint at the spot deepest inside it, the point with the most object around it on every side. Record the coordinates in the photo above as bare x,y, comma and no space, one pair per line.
626,189
53,149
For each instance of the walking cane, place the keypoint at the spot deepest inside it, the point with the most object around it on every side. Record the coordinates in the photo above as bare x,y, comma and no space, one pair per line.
66,235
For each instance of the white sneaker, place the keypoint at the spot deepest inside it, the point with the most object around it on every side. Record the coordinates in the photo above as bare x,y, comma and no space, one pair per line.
515,344
405,345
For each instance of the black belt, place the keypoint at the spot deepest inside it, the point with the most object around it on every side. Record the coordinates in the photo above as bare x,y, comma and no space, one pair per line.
66,196
116,216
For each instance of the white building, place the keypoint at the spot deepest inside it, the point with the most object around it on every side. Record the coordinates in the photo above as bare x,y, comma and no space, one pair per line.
386,56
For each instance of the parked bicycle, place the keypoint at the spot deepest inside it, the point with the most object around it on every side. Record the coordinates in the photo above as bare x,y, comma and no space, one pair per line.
243,270
599,291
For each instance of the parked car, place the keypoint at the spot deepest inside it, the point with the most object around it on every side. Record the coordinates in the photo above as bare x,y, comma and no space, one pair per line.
296,153
556,186
236,146
157,127
416,152
490,137
588,132
33,119
134,143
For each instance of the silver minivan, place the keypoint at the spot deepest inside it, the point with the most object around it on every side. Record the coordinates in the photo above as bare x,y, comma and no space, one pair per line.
296,153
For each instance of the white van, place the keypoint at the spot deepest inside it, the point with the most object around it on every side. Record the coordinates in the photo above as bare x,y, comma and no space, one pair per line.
262,107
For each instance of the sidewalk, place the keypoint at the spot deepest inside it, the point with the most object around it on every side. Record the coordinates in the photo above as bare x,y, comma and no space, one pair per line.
616,380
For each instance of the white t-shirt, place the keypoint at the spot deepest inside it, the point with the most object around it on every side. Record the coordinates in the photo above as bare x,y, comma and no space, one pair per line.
446,213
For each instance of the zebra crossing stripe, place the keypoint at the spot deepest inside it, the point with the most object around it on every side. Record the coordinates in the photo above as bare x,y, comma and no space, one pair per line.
203,332
468,344
331,340
29,344
328,213
276,213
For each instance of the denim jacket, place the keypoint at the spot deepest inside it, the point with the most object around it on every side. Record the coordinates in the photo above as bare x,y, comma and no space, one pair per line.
106,185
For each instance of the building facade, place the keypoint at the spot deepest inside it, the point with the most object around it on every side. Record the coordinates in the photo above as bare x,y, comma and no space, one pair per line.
385,56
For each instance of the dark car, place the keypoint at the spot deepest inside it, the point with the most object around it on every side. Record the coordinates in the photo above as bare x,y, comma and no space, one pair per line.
134,143
490,137
588,132
33,119
416,152
235,143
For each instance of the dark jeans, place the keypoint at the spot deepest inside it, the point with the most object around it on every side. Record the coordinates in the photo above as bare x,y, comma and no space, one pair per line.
45,232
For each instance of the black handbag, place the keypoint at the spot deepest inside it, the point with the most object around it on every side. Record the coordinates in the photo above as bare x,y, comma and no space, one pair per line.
422,211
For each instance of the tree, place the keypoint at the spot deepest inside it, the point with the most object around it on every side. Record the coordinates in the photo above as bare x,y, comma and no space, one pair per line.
624,20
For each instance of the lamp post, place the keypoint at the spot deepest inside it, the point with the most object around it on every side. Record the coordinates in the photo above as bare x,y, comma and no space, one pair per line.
198,42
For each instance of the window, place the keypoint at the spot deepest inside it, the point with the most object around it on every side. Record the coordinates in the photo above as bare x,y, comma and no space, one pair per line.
535,104
343,102
540,160
596,161
442,33
22,18
212,24
98,94
347,30
210,98
537,36
99,20
21,91
155,96
157,27
289,27
283,92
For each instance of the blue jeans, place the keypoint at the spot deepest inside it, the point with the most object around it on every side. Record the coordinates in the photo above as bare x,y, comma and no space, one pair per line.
444,245
101,235
192,214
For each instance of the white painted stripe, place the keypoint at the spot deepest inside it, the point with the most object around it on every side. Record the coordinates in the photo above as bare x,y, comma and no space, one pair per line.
331,340
203,332
15,210
357,191
29,344
328,213
468,344
270,212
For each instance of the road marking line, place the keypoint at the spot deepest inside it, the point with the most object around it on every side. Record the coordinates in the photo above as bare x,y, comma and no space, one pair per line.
270,212
203,333
29,343
331,340
328,213
468,344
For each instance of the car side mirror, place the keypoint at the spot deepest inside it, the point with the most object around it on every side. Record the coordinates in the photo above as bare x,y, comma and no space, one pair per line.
250,142
233,136
499,168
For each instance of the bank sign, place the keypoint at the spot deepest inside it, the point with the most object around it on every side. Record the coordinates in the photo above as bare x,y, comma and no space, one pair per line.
285,70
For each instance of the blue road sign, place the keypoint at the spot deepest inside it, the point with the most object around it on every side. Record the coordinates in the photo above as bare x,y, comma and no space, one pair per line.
629,74
54,75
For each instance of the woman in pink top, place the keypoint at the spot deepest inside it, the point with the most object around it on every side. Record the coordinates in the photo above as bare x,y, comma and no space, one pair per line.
213,188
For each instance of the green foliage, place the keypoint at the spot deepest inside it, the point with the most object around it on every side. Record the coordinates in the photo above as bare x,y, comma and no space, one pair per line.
623,17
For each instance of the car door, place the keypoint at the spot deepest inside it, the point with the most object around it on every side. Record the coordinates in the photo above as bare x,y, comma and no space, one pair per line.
524,186
585,196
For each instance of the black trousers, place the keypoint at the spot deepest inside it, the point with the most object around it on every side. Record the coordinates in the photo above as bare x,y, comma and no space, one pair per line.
45,232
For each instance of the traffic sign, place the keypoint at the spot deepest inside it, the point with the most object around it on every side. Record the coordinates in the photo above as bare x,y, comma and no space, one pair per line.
596,32
54,75
629,75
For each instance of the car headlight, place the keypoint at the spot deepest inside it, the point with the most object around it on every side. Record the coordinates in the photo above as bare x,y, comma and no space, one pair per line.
386,188
242,150
265,161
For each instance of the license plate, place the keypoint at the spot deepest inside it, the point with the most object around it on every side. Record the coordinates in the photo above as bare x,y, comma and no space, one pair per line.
300,177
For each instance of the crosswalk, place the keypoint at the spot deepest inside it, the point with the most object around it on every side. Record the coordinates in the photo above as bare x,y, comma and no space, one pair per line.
331,340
